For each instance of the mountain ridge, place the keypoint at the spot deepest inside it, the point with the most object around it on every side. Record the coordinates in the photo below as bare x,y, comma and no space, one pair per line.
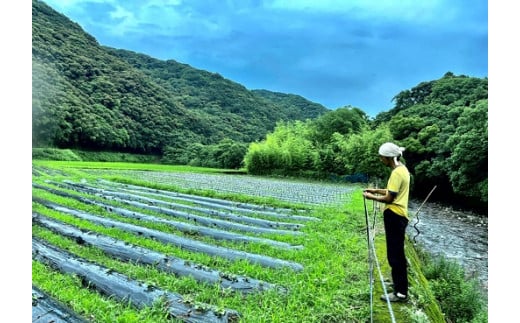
90,96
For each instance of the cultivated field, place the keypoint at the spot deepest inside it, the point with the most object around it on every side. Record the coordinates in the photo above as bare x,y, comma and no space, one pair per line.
150,246
293,191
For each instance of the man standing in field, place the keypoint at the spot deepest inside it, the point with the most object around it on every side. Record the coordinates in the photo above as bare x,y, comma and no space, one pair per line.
395,215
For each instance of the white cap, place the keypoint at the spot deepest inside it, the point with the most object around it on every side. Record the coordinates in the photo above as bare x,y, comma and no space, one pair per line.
389,149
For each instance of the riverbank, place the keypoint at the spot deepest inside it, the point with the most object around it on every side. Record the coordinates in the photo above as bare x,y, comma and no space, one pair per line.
458,235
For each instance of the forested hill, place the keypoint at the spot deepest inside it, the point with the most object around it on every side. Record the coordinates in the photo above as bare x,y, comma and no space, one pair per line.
90,96
204,91
296,106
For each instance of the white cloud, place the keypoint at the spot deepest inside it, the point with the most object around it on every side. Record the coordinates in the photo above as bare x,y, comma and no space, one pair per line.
125,21
66,4
121,12
167,18
403,10
162,3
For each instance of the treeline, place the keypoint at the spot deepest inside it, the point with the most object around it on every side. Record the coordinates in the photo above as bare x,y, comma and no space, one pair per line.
443,125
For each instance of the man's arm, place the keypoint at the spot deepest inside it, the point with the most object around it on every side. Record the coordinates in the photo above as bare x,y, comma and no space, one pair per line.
380,195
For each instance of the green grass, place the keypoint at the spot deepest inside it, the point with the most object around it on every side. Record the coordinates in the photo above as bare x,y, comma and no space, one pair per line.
458,294
126,166
333,286
97,156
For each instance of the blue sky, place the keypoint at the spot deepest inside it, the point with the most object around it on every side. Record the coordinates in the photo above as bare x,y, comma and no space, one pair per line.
333,52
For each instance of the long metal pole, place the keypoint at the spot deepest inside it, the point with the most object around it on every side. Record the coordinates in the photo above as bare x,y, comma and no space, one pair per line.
417,213
369,260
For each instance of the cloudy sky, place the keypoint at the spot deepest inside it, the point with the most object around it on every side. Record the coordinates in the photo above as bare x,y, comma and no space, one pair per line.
333,52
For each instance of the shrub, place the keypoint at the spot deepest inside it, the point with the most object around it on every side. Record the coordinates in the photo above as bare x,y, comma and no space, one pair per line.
54,154
93,156
108,156
460,297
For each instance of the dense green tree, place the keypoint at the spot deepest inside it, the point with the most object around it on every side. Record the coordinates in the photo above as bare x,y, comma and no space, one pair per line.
225,154
345,121
287,149
458,90
296,107
450,90
404,126
47,123
469,159
417,95
359,152
229,154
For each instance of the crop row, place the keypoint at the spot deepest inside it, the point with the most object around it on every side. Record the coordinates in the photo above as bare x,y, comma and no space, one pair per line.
196,224
293,191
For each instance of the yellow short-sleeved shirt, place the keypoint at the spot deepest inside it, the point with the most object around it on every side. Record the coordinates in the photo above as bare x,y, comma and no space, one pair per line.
399,183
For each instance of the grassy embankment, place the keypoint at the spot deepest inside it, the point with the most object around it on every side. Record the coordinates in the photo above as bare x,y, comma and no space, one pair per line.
332,287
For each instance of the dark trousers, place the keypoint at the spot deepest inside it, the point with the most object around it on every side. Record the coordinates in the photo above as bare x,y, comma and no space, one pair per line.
395,229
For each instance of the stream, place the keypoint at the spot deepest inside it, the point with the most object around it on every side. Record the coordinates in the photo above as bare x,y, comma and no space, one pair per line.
461,236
